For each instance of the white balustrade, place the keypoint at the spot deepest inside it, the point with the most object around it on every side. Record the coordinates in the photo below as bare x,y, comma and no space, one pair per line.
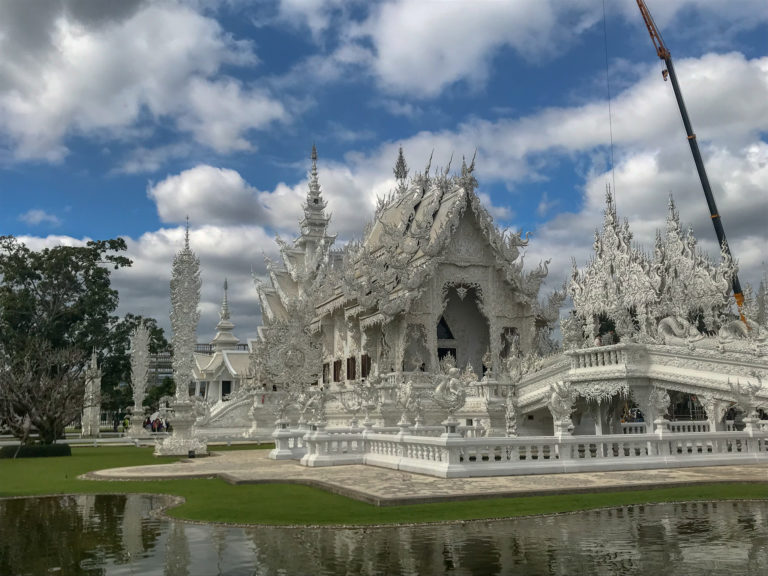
453,456
689,426
633,428
597,357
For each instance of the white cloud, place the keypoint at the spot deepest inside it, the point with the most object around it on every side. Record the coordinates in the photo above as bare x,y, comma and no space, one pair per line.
224,251
162,61
317,15
36,217
208,195
422,48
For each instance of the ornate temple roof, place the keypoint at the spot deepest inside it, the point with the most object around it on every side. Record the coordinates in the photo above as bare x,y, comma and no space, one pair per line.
301,260
379,276
408,238
211,366
637,290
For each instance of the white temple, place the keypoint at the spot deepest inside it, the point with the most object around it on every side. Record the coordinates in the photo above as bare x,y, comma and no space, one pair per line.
430,328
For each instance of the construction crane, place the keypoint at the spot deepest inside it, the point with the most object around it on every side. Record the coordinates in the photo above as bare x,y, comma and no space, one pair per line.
669,72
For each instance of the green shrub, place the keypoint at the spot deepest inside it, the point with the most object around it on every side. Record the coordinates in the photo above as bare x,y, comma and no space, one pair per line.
36,451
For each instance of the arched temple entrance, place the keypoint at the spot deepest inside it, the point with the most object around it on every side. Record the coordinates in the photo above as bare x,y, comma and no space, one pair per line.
462,329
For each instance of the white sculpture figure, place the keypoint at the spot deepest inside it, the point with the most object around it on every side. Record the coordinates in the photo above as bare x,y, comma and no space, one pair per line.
745,395
355,396
409,400
287,358
450,395
561,406
515,374
315,405
185,297
659,401
92,406
139,371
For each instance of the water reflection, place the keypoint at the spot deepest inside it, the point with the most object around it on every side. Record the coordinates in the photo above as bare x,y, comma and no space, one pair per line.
120,535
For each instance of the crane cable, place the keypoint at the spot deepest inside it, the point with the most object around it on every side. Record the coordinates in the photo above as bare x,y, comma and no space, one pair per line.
610,114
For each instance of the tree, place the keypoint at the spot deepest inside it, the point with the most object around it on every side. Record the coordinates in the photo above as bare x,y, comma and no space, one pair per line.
43,389
61,295
56,306
166,388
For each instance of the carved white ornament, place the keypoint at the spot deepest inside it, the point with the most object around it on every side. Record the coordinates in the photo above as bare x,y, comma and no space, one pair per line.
139,367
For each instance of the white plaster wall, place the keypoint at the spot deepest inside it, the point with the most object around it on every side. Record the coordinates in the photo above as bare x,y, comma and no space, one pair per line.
541,424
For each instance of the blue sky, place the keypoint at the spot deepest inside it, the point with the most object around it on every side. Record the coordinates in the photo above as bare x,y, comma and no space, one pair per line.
121,118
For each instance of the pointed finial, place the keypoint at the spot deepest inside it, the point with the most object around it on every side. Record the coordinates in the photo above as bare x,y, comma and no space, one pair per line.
609,198
448,168
401,168
313,157
186,234
314,182
671,202
224,314
472,164
429,164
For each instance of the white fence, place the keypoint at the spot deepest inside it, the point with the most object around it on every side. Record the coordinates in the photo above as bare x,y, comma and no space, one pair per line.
454,456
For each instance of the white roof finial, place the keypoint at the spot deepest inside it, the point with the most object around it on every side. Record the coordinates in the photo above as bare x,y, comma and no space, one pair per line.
224,314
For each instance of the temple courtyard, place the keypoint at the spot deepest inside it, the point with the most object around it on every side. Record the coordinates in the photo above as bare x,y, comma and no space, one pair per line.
385,487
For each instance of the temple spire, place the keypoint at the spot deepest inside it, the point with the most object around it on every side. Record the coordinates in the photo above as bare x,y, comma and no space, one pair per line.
315,222
401,168
224,313
224,339
314,182
186,235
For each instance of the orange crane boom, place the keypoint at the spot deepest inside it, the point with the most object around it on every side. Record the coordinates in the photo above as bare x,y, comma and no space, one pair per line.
664,54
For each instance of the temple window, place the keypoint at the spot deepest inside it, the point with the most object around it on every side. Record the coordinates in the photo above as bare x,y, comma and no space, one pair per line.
365,365
337,371
326,373
351,368
443,330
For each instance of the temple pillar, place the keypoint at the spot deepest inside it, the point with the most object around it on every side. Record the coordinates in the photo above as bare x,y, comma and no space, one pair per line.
650,400
432,360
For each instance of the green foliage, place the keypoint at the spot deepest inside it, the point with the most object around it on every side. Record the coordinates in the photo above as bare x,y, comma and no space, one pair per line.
154,393
61,295
35,451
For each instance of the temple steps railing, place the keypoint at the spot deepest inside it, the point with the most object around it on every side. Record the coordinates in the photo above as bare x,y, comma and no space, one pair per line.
454,456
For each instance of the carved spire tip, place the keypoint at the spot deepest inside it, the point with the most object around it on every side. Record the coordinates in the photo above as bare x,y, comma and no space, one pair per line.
401,167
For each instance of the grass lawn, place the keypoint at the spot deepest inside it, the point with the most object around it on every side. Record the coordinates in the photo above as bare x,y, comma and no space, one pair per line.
217,501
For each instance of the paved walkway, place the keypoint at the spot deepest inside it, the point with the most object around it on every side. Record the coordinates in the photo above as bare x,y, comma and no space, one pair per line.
386,487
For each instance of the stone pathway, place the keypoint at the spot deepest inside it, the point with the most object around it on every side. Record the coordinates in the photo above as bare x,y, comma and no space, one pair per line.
385,487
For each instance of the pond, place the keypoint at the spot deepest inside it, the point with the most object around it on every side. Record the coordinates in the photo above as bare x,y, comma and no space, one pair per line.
113,534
